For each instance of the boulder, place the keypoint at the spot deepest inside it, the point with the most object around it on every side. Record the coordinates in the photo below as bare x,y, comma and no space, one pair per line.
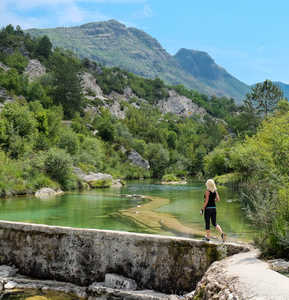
7,271
90,87
95,180
47,192
10,285
4,67
5,98
136,159
34,69
119,282
279,265
118,183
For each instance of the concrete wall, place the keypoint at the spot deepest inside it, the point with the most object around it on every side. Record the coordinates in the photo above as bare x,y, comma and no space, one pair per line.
83,256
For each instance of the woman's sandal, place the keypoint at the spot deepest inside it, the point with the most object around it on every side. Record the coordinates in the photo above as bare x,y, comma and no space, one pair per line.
206,239
223,235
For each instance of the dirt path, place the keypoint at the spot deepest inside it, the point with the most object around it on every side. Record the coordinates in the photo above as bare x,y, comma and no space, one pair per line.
256,279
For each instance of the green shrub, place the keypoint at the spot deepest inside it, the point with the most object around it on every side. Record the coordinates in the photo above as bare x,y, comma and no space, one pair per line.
268,206
68,141
101,183
16,60
169,178
58,165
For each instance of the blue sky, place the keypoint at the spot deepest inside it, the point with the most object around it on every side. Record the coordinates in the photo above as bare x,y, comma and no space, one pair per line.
248,38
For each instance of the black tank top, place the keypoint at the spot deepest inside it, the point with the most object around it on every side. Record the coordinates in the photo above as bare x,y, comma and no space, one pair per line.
212,198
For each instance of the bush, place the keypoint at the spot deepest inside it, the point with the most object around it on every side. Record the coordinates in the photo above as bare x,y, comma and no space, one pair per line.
169,178
269,210
58,165
68,141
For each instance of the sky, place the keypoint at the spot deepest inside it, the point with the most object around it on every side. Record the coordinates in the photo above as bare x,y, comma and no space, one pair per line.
248,38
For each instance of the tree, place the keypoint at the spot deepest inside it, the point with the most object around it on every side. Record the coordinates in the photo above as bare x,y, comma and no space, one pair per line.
264,97
67,84
44,47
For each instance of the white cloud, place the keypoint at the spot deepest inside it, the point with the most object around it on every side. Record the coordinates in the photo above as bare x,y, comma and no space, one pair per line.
55,13
145,12
73,15
52,13
28,4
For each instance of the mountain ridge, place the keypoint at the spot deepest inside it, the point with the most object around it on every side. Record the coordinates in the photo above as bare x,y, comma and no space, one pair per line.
114,44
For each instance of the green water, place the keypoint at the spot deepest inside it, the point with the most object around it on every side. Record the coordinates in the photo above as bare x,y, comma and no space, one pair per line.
95,209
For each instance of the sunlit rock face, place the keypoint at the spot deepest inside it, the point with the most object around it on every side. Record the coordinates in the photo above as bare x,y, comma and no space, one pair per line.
34,70
181,106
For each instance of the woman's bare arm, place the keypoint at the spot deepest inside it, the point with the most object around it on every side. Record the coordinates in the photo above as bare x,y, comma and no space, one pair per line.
206,199
217,197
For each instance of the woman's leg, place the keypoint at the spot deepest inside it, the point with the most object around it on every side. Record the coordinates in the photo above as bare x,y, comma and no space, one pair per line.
218,227
207,221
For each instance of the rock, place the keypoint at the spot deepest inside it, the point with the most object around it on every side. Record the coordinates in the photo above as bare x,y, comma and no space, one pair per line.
136,159
34,69
99,291
181,106
119,282
10,285
174,182
279,265
5,97
90,87
7,271
189,296
118,183
95,180
4,67
47,193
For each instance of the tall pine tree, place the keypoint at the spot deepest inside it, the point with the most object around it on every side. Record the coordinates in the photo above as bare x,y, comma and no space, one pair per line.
264,97
67,85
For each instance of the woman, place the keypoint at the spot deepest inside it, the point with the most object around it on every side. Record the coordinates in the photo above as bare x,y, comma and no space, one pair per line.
209,209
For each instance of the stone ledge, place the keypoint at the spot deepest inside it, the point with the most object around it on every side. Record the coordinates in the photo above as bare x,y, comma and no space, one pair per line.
83,256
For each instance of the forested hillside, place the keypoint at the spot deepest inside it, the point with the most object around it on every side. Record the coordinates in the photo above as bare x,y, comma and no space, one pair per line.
34,137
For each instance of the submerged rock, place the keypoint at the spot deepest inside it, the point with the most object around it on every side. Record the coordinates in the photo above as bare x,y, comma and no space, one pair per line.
174,182
47,192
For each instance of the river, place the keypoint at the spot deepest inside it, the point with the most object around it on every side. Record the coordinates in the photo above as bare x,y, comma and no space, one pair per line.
170,210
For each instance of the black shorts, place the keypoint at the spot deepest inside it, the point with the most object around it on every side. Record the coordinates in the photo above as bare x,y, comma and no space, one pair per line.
210,214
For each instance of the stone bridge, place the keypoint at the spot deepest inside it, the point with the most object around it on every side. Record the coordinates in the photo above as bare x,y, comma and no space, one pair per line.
170,265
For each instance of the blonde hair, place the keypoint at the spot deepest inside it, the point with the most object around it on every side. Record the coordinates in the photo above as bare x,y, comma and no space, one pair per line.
211,186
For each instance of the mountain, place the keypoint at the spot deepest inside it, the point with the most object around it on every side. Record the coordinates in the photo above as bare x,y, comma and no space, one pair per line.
113,44
200,65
